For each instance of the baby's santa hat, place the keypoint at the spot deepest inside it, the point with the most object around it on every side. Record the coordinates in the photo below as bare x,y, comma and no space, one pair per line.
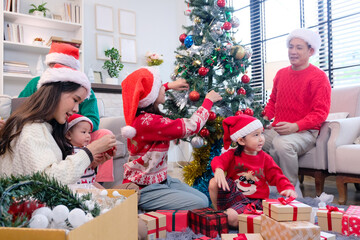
239,126
309,36
76,118
61,73
139,90
64,54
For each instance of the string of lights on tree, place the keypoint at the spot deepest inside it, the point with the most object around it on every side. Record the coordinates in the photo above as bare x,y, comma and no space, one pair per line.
210,58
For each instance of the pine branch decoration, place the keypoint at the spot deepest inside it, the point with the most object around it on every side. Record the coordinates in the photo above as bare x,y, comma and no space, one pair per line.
41,187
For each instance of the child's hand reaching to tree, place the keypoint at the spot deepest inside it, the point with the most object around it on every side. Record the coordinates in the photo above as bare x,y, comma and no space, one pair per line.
289,193
221,180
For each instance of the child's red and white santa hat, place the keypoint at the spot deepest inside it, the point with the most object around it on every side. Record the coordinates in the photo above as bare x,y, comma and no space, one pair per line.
75,119
239,126
139,90
312,38
64,54
61,73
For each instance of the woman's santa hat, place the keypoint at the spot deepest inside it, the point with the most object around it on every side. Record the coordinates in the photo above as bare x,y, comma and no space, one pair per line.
139,90
61,73
239,126
312,38
64,54
75,119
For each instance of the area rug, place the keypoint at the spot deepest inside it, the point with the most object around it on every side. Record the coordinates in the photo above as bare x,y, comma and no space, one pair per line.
189,234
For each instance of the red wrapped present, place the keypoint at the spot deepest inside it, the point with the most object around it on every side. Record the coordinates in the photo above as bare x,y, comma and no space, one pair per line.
286,209
351,221
176,220
249,221
209,222
329,218
242,236
156,224
205,238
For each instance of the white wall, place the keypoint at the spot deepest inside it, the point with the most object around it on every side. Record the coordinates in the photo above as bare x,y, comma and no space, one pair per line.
158,26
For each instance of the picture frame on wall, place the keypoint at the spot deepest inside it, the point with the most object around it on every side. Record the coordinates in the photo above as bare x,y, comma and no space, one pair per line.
104,20
98,77
128,50
103,42
127,22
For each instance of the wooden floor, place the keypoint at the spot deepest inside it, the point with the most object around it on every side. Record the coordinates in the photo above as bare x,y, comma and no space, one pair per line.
308,186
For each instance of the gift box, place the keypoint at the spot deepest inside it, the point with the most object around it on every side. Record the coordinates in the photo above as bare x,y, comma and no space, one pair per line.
156,224
329,218
286,209
351,221
249,223
176,220
204,238
242,236
294,230
209,222
327,236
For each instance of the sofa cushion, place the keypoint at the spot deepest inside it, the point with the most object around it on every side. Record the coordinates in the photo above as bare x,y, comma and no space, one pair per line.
5,106
121,150
337,115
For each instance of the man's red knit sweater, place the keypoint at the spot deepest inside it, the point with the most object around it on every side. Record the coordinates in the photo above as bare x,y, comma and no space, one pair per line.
301,97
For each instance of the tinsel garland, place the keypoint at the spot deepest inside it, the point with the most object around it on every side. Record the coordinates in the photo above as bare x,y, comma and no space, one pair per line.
41,187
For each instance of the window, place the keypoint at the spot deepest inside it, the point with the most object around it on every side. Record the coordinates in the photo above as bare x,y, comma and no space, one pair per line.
270,21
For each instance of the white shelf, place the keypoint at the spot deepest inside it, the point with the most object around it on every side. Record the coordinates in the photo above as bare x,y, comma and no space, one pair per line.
17,76
26,47
42,22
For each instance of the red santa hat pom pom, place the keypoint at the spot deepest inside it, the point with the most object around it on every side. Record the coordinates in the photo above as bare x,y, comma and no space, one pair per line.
128,132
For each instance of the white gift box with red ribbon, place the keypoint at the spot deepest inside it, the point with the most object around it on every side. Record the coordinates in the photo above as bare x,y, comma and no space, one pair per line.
327,236
250,220
286,209
329,218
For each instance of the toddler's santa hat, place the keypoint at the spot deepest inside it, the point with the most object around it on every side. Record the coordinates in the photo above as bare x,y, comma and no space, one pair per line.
76,118
64,54
139,90
309,36
237,127
61,73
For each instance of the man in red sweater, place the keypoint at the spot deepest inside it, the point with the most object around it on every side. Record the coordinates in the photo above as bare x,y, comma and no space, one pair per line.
299,104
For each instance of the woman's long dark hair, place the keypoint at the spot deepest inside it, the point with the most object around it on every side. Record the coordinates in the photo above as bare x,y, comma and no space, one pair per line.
152,108
39,107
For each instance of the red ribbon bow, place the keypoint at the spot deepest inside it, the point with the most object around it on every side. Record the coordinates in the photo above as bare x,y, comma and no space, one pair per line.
251,209
241,236
332,208
286,201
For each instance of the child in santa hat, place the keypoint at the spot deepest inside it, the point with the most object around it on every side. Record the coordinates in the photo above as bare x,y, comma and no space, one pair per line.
149,134
248,169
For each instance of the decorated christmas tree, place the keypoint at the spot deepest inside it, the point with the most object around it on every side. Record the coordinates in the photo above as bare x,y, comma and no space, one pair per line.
210,58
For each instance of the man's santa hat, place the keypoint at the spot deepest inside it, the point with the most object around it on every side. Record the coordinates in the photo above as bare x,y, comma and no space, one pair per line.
64,54
75,119
61,73
237,127
139,90
312,38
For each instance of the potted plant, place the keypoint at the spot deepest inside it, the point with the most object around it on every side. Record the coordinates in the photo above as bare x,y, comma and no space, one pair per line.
113,65
39,10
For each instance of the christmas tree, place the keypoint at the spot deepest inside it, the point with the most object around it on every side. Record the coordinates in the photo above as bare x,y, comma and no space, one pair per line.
209,58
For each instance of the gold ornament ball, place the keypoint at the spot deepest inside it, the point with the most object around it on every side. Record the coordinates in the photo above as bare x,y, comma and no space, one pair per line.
238,51
196,63
197,20
230,90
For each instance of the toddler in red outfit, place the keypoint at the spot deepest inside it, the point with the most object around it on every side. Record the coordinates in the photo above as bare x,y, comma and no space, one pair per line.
248,169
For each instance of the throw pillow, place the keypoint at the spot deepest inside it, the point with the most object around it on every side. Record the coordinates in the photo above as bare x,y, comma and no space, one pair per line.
5,106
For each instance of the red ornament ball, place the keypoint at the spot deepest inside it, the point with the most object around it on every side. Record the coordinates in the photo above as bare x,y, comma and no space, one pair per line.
212,116
204,132
221,3
194,96
203,71
263,113
241,91
111,151
239,113
182,37
249,111
245,79
227,26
